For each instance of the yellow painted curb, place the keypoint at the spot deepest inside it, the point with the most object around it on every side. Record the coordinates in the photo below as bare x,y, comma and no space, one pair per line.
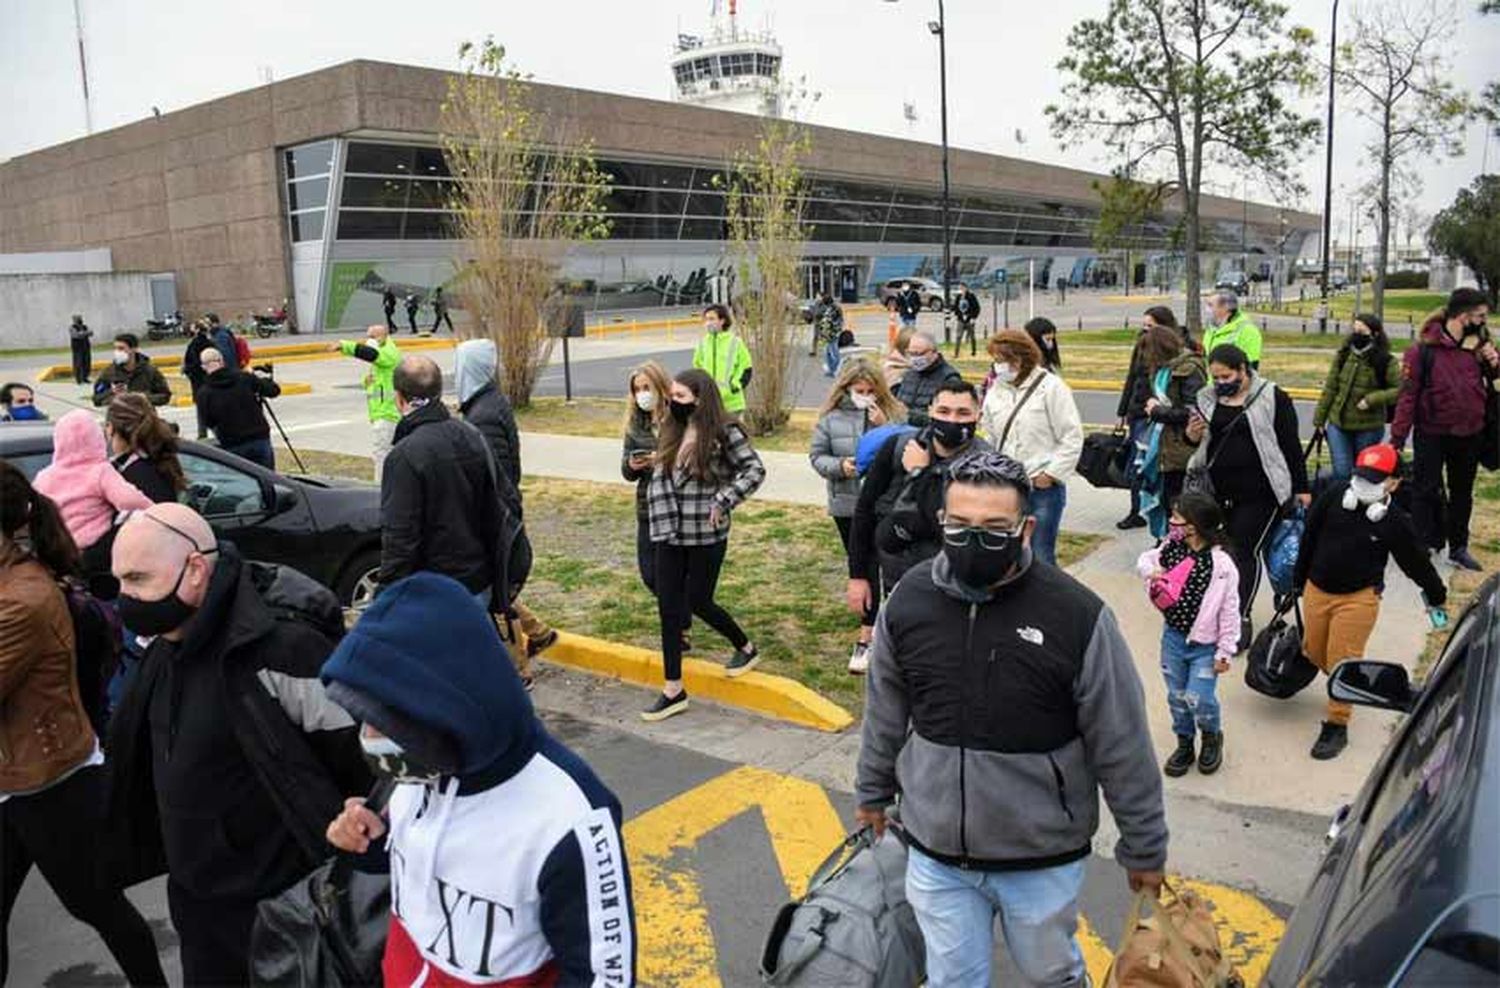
287,388
1095,384
773,696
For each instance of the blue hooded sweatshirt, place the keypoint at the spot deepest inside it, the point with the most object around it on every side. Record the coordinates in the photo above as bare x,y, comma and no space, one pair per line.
512,867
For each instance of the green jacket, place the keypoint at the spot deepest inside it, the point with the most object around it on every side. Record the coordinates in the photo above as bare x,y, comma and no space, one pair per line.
727,360
380,386
1240,331
1351,378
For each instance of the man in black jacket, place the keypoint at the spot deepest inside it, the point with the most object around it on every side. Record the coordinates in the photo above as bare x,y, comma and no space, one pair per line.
229,403
966,308
388,303
439,503
227,760
83,352
908,304
131,370
192,367
929,372
1007,692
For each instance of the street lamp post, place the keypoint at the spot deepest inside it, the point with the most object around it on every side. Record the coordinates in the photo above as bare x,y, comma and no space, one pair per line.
1333,53
939,28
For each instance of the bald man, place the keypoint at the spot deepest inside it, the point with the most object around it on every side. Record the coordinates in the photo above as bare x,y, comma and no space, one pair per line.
227,758
439,499
379,351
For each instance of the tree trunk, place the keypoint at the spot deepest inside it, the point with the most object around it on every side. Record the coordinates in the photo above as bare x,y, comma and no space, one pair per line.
1382,254
1190,251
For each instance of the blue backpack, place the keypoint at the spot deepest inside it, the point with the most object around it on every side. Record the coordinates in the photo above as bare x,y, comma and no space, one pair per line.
1281,550
871,442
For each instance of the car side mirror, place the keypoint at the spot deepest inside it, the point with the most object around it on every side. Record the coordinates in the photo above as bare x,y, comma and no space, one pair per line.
283,499
1384,685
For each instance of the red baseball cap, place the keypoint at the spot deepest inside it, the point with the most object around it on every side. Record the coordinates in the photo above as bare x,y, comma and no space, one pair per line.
1376,463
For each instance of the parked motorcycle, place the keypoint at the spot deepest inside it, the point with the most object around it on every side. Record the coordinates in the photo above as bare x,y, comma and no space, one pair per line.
172,325
274,320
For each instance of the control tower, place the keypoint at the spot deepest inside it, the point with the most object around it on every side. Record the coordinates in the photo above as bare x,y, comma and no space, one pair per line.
730,68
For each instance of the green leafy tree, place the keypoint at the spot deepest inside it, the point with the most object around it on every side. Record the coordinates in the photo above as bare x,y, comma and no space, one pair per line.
1469,232
1395,73
1178,86
524,193
1489,100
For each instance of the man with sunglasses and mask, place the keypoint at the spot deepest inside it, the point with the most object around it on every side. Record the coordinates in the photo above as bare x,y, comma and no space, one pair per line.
227,760
1006,690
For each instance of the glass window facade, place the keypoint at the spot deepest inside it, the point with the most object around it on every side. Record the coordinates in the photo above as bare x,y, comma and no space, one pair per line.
309,169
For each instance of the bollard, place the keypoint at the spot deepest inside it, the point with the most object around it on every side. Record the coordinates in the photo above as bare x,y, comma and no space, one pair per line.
1080,322
1127,324
1304,327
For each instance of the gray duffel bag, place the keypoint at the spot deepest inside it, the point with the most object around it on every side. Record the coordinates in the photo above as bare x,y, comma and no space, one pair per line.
854,927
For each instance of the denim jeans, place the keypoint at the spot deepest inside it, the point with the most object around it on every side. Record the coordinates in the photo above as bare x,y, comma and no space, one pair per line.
1047,506
1192,684
1343,447
256,451
831,357
956,910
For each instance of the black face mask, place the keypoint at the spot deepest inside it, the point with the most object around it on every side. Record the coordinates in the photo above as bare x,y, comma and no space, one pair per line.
1474,329
1227,389
979,558
386,757
156,617
952,434
683,410
1360,343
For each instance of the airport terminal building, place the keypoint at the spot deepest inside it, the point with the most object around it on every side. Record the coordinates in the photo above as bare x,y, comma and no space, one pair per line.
330,187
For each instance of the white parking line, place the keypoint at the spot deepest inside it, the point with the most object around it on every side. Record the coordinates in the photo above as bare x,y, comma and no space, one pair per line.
309,426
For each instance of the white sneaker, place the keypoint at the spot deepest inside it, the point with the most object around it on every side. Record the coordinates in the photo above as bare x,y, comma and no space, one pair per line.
859,659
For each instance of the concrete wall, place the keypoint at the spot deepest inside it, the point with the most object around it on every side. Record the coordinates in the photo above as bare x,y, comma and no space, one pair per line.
96,261
35,309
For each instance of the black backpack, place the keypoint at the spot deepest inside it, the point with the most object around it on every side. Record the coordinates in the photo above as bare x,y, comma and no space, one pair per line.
97,643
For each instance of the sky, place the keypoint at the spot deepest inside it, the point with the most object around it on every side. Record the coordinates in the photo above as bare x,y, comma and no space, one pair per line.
867,58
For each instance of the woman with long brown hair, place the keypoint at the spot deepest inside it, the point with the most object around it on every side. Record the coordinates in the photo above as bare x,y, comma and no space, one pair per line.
860,400
143,448
52,782
1171,377
650,391
705,468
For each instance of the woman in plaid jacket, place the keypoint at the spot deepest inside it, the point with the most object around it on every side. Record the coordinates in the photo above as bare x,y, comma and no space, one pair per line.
704,469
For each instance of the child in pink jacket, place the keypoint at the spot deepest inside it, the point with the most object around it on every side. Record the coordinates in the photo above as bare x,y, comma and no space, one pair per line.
1194,583
88,491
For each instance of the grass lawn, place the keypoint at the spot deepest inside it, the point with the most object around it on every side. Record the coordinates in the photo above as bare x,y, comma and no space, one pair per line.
783,580
1399,304
605,418
1484,543
1106,362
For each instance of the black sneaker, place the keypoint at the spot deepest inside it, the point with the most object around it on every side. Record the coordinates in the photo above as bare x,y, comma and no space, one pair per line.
1461,558
1247,635
1212,755
1130,521
1179,761
1332,739
666,706
742,662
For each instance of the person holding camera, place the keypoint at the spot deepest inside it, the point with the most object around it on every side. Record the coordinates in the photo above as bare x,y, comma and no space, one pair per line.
231,404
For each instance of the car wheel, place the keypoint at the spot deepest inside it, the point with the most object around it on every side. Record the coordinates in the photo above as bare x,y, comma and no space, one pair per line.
935,304
357,586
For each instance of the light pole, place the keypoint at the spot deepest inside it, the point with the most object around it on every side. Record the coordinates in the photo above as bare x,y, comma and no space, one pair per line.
1333,54
939,28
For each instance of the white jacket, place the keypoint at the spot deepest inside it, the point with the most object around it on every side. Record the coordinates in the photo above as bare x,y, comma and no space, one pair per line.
1047,434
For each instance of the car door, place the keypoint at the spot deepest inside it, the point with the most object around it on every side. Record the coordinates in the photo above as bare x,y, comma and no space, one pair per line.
263,515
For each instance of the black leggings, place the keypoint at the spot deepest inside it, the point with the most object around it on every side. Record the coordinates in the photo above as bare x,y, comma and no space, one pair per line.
645,562
686,577
845,526
1442,511
1247,523
58,830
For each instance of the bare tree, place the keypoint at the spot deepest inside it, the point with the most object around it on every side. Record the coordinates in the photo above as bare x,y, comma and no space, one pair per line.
523,193
1178,86
1394,69
764,207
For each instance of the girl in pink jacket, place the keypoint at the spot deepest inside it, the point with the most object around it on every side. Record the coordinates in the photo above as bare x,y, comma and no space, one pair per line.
87,490
1194,583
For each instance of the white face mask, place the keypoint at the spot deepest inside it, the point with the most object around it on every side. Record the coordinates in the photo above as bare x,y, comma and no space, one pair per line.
645,400
714,327
372,343
1004,372
864,402
1366,491
120,356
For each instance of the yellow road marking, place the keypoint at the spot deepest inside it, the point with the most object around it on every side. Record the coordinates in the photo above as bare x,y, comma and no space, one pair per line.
676,944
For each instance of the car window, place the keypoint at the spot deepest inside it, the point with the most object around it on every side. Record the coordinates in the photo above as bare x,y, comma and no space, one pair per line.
218,491
30,464
1429,763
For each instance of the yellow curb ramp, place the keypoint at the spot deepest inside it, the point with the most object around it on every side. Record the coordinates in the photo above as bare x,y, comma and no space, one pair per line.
772,696
1097,384
287,388
274,353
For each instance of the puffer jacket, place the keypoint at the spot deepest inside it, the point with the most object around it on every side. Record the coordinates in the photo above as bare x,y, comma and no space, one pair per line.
1047,434
489,411
1188,377
639,435
44,731
918,388
86,488
834,440
1351,377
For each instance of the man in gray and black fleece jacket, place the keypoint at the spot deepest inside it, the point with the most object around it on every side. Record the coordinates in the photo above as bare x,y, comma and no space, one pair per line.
1001,698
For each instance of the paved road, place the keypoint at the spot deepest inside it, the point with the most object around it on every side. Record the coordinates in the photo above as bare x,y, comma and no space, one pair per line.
738,811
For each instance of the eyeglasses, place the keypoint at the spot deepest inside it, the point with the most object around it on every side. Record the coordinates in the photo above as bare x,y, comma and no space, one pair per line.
993,539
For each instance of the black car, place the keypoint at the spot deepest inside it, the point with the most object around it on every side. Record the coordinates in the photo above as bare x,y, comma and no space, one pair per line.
327,528
1408,892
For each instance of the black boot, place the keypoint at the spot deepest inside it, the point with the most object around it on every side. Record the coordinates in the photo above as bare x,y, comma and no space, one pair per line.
1179,761
1212,755
1332,739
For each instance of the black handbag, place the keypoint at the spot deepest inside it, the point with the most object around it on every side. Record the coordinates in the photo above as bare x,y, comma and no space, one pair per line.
1276,665
1105,460
328,929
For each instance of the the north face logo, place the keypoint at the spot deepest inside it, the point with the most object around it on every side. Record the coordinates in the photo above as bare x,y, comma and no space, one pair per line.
1032,635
